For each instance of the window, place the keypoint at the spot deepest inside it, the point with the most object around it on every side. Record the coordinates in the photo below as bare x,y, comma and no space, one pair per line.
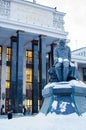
8,58
8,55
7,84
29,104
8,73
29,80
28,57
28,85
29,75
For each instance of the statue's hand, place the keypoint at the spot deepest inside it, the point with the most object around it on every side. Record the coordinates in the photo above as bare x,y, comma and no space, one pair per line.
72,64
60,60
66,60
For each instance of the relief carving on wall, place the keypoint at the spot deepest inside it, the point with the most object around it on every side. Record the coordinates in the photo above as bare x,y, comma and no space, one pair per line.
5,7
58,21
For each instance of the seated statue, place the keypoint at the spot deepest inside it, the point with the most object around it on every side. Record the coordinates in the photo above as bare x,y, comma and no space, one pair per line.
63,69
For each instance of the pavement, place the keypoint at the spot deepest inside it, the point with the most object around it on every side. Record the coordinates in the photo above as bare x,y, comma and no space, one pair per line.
15,115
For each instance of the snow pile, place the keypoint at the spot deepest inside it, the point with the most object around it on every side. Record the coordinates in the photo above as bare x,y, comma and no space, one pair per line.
66,84
42,122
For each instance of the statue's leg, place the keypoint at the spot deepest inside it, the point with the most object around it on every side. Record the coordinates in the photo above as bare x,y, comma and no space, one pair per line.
65,70
76,74
52,74
58,69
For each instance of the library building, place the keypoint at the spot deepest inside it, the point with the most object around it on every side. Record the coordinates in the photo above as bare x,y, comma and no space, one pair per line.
28,34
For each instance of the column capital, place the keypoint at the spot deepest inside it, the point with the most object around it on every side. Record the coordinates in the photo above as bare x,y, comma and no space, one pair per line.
53,44
19,31
13,38
34,42
42,36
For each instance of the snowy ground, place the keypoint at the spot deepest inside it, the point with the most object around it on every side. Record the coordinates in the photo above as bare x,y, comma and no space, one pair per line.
42,122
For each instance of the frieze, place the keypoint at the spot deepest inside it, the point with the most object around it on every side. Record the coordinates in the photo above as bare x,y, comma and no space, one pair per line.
30,14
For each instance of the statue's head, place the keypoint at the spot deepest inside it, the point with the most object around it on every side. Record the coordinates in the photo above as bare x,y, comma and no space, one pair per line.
62,42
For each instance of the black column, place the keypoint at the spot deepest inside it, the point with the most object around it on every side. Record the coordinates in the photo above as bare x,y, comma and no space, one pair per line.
42,60
35,76
20,53
52,52
13,72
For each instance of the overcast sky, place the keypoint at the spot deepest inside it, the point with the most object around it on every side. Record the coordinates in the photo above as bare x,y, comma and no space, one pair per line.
75,19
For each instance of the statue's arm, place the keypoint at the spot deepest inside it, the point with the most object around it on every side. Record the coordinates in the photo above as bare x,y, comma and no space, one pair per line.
55,56
69,55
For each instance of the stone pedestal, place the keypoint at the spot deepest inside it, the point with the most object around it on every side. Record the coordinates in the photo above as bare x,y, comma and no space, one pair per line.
63,98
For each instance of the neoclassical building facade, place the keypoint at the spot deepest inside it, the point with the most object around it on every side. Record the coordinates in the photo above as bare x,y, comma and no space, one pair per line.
79,58
28,34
